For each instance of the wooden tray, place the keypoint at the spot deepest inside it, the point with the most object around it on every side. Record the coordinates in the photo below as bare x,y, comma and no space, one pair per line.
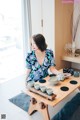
51,97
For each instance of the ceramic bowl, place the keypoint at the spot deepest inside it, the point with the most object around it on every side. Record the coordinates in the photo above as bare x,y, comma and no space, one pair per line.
53,81
31,84
37,86
49,91
43,89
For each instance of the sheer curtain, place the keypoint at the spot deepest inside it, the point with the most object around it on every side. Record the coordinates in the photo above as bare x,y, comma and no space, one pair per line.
14,37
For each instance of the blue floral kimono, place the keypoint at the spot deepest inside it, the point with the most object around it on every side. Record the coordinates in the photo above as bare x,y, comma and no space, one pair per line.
39,71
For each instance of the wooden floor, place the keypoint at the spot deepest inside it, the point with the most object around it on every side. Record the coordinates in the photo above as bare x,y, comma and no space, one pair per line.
13,87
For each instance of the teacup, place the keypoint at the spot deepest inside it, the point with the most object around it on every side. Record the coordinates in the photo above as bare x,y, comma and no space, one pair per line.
37,86
43,88
60,77
76,74
30,84
49,91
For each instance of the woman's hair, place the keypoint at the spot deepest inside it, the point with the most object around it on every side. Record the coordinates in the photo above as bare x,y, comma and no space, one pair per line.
40,41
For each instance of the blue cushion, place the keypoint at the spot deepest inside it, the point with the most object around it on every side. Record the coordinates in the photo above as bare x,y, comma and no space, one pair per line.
76,115
69,109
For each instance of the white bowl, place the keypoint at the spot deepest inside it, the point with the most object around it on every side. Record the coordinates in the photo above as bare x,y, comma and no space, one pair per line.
53,81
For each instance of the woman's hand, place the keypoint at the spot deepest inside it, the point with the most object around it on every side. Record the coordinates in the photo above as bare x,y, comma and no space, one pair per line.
54,70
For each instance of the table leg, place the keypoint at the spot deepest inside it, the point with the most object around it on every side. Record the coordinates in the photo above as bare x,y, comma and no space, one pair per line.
79,87
39,106
32,106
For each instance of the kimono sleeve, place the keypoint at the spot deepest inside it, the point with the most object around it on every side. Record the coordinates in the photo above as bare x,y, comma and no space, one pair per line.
28,61
52,59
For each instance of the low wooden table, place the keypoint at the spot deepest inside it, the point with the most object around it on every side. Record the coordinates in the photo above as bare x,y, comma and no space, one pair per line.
40,103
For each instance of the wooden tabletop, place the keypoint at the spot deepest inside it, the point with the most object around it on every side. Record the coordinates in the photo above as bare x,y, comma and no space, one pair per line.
56,89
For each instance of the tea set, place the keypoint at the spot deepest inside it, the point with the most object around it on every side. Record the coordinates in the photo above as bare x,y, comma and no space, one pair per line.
73,72
54,80
43,89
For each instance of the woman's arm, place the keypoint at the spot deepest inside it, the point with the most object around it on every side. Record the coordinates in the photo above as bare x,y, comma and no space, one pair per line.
54,70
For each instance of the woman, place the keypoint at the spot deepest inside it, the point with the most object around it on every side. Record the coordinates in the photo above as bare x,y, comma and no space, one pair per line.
40,59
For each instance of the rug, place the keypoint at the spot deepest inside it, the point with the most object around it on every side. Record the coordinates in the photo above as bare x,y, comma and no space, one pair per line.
21,100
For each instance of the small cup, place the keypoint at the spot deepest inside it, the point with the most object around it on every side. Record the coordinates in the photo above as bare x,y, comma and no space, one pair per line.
30,84
43,89
49,91
76,74
37,86
60,77
65,70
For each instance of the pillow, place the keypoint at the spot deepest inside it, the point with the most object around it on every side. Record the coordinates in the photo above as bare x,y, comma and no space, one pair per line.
69,109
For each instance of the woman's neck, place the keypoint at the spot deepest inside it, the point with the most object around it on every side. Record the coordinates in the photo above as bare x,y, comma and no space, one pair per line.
39,53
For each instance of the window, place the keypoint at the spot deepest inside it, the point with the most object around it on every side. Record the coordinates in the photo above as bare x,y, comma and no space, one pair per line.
11,39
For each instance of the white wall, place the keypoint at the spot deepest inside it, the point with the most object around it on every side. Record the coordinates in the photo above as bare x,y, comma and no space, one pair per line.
76,20
77,38
48,17
43,9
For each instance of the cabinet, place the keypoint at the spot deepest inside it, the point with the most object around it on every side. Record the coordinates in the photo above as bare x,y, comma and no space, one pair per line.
42,19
